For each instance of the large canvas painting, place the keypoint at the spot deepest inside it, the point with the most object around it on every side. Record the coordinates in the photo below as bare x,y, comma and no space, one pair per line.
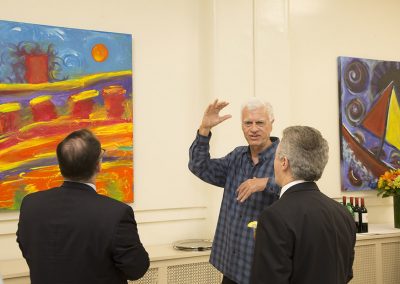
55,80
369,95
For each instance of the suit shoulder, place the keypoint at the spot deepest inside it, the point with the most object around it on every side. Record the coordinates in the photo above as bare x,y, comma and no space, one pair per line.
40,194
111,201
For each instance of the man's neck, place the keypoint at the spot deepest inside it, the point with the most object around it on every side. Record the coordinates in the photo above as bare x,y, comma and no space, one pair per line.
91,180
256,150
90,183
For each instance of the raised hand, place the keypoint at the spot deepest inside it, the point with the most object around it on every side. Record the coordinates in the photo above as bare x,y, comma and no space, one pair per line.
212,117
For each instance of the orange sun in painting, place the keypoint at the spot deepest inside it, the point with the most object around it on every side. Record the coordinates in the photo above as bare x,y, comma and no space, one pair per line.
99,52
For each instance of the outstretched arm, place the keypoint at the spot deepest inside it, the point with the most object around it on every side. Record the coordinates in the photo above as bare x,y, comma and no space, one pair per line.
250,186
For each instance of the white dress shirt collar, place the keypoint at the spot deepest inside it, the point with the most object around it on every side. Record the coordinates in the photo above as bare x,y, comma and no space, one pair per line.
87,183
91,185
289,185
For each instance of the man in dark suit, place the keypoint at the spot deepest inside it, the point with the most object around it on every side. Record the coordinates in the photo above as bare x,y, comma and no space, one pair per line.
304,237
71,234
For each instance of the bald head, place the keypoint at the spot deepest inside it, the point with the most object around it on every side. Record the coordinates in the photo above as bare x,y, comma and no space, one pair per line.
78,155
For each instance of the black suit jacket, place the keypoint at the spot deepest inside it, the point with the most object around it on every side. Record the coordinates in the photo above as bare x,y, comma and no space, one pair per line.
73,235
304,237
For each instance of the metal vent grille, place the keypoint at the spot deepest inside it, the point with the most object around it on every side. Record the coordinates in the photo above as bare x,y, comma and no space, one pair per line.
193,273
151,277
364,267
390,263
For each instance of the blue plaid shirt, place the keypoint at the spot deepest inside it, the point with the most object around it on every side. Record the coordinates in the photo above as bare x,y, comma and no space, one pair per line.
233,245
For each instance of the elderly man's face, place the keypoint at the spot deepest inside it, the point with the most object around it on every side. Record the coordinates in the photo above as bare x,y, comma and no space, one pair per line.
256,128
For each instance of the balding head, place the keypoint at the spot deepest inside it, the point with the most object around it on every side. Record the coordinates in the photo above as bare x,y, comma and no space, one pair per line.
78,155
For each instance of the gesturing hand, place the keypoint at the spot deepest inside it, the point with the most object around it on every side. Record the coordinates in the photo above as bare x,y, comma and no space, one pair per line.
212,118
250,186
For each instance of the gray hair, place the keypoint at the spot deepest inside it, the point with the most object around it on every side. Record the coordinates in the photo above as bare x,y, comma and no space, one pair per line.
306,150
254,103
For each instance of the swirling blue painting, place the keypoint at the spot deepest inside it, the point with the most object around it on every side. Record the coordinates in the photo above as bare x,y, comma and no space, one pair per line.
369,96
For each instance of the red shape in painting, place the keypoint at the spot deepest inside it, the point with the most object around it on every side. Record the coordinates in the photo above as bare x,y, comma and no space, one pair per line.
82,104
43,111
375,120
9,121
36,68
114,97
82,109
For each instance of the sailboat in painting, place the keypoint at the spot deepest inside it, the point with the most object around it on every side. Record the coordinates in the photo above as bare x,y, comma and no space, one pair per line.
383,121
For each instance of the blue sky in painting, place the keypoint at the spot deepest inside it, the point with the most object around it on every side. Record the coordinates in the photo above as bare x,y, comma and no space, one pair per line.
71,47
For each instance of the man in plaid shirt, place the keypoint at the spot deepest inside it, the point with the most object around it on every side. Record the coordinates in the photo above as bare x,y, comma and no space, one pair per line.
247,176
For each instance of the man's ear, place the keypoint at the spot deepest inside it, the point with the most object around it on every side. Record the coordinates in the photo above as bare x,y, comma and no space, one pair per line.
285,163
98,166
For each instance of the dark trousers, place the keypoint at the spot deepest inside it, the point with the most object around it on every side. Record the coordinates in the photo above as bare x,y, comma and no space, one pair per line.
226,280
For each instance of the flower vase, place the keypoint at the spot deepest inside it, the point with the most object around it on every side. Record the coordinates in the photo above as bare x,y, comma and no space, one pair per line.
396,211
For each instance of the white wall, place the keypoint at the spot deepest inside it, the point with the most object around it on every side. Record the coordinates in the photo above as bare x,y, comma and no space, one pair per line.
188,52
320,31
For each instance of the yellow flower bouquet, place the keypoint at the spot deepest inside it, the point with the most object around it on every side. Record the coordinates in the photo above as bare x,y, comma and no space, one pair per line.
389,183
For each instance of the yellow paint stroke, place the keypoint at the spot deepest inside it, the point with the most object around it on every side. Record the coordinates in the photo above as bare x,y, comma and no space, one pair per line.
393,124
10,107
39,100
84,95
30,188
27,144
10,166
118,163
112,129
68,84
50,154
60,122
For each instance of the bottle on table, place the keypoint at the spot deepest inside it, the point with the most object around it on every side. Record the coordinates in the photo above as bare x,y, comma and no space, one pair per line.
352,202
350,207
357,215
364,217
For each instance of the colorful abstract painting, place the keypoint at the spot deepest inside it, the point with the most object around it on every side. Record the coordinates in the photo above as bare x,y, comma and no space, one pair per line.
53,81
369,95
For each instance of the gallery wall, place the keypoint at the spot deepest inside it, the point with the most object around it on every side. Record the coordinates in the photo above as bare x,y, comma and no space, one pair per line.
186,53
168,61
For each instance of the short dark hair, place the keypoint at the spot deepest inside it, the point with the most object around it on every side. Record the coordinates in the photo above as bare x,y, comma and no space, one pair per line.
78,155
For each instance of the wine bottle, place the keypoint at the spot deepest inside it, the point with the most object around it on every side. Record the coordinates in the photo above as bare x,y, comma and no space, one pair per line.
350,208
364,217
352,202
344,200
357,215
